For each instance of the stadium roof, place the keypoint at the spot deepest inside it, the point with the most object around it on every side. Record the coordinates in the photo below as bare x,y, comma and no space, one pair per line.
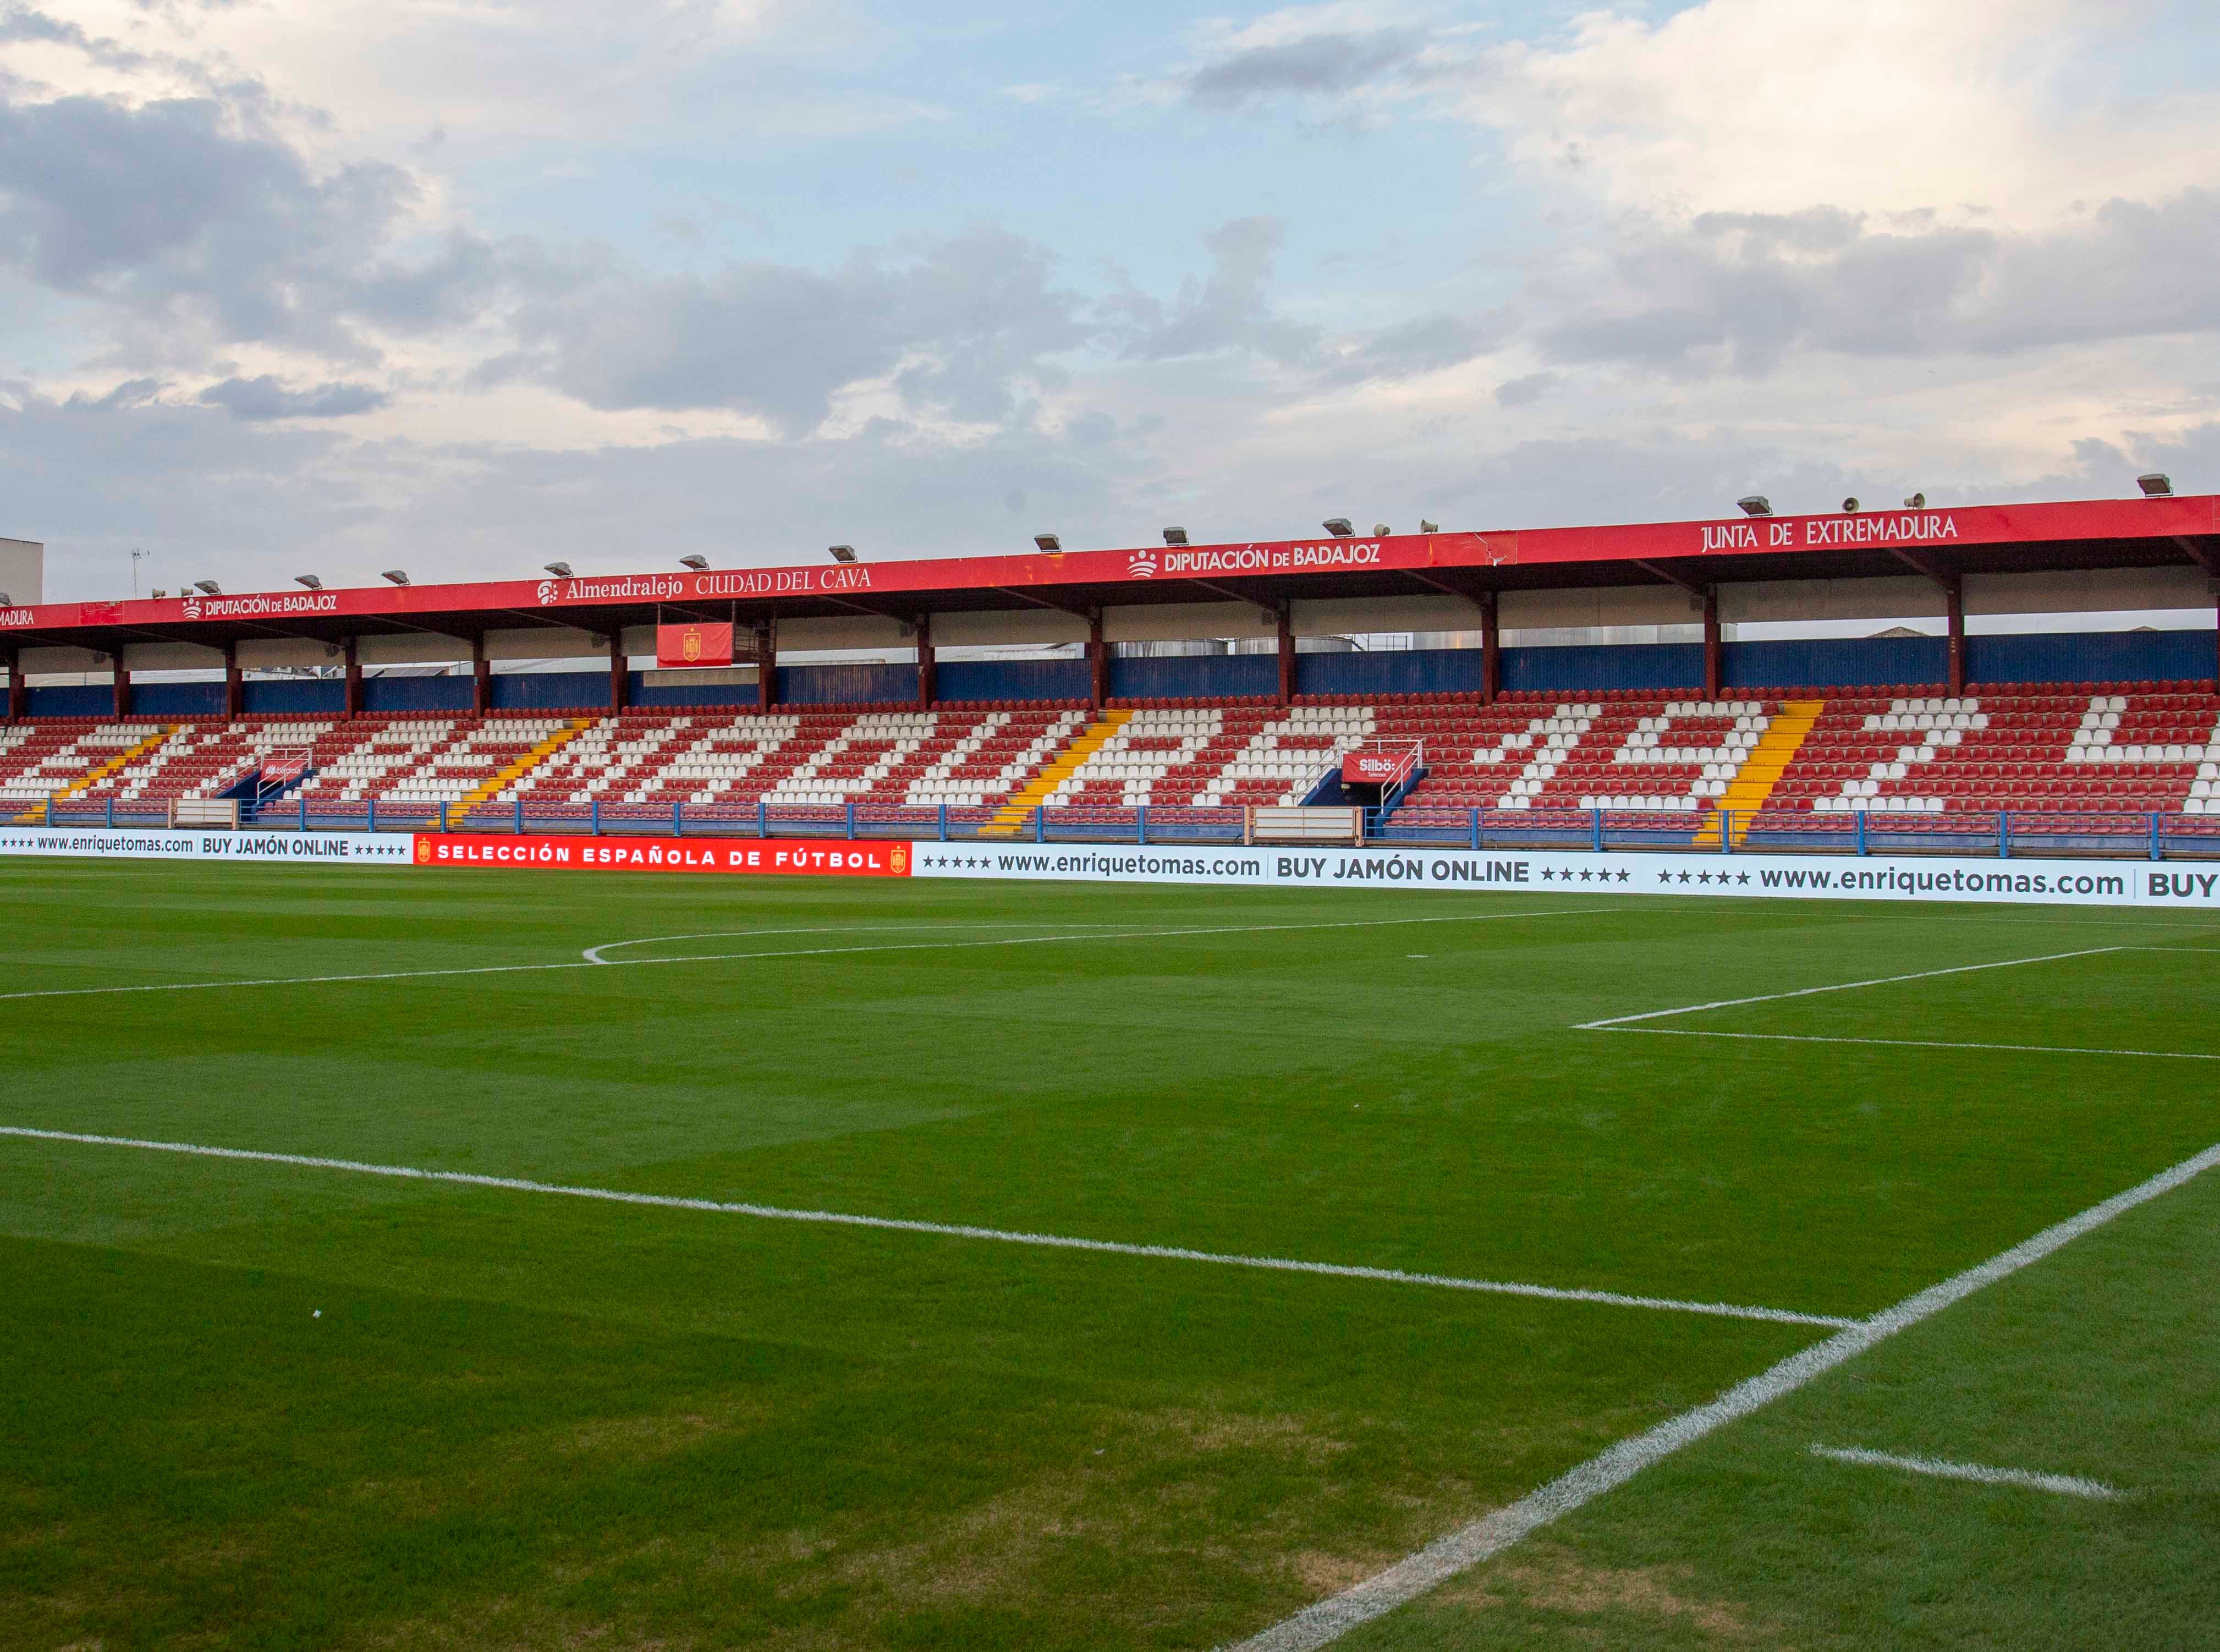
2082,535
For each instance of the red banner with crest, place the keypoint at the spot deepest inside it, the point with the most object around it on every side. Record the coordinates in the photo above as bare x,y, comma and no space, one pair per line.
693,644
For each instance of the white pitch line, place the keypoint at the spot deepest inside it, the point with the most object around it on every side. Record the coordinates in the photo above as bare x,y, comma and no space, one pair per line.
1842,986
797,953
1910,1044
2065,1485
945,1229
592,954
1329,1619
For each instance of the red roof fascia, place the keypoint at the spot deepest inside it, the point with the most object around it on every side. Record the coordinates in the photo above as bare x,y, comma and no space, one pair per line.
1723,540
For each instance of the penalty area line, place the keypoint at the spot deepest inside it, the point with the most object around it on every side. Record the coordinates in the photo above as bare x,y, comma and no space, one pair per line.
1842,987
1942,1469
1910,1043
1328,1620
945,1229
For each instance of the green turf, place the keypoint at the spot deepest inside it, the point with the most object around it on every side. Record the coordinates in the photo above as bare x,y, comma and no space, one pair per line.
522,1418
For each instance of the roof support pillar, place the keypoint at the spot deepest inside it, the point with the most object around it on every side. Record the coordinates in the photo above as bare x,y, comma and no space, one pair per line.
1954,605
928,685
481,678
19,695
1714,653
1098,662
352,673
123,684
234,685
1491,649
767,663
620,673
1284,627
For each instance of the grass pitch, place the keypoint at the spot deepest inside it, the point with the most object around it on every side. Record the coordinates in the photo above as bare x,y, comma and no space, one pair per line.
258,1403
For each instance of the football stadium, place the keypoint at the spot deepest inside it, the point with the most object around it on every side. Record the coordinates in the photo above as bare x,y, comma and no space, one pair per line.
1505,1144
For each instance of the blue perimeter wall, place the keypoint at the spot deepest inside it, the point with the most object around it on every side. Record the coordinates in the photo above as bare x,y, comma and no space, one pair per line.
1844,663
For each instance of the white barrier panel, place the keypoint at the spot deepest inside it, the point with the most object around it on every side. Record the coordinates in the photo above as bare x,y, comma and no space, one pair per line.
330,848
1805,877
2187,886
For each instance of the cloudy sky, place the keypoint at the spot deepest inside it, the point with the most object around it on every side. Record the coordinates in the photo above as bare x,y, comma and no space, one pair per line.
464,285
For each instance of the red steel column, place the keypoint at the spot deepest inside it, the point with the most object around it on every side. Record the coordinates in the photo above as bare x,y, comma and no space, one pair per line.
123,686
767,663
1286,626
1953,600
353,678
928,687
1713,655
481,678
1491,650
1098,662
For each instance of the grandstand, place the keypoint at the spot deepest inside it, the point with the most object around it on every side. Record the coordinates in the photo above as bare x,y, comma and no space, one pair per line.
1719,743
1809,765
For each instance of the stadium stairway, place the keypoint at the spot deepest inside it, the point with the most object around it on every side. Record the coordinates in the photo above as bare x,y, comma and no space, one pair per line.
1035,795
518,768
1746,793
93,776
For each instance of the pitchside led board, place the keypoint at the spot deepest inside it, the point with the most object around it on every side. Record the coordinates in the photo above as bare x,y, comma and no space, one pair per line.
694,645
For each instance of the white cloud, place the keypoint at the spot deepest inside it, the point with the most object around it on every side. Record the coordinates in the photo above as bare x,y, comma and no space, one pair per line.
2000,110
495,73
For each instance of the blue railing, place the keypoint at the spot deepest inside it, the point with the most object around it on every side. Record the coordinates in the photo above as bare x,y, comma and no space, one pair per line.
2019,832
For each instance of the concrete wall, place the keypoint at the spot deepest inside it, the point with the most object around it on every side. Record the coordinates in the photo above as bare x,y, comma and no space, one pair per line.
23,572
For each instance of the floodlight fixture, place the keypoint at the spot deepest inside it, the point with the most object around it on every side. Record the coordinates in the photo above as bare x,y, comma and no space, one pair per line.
394,576
1175,536
1048,542
1380,530
1755,504
1425,527
2157,485
8,601
309,580
1338,526
841,552
208,588
699,565
1850,506
560,570
1917,501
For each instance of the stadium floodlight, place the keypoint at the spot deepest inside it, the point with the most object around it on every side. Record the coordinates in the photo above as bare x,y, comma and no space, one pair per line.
1425,527
841,552
1048,542
208,588
1338,526
2157,485
396,576
8,601
1175,536
699,565
1917,501
1755,504
1381,530
560,570
1850,506
309,580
